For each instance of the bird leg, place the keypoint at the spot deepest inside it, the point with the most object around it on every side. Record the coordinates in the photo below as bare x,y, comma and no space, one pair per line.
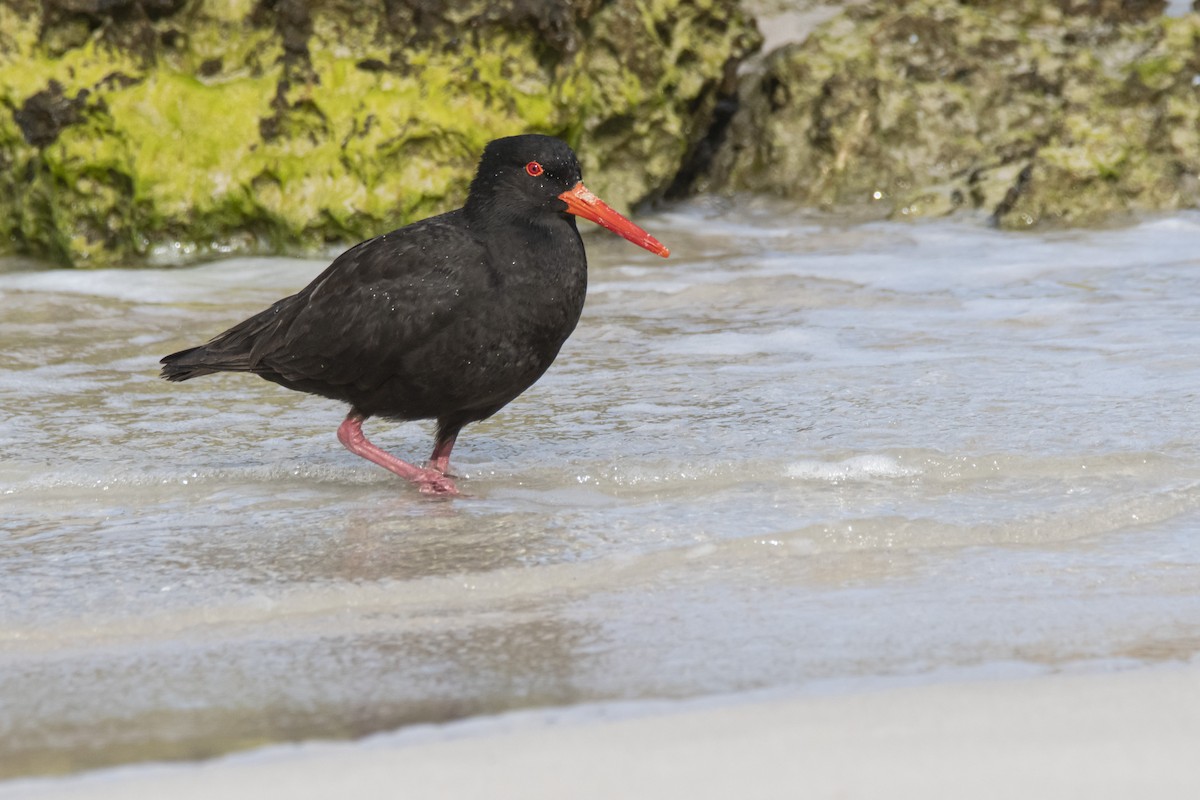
440,460
429,481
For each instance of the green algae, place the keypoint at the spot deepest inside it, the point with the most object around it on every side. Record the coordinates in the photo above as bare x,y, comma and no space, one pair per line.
232,124
1032,113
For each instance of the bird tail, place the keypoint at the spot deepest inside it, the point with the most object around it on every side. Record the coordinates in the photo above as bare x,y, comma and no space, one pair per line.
239,349
197,361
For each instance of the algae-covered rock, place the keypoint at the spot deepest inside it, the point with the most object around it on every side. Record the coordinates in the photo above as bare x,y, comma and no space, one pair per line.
132,128
1033,112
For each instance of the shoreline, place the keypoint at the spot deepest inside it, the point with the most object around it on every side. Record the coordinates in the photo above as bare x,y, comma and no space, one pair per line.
1112,734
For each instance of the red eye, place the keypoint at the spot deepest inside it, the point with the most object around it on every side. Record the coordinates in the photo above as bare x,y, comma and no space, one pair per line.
534,168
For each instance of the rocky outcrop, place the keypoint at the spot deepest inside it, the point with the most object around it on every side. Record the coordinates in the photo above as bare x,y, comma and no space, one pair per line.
135,129
1031,112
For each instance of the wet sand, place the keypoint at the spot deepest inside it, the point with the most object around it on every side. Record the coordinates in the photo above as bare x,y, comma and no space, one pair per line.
1118,734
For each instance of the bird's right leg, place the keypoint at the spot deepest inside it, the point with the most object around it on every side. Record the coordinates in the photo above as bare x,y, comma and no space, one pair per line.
440,460
429,481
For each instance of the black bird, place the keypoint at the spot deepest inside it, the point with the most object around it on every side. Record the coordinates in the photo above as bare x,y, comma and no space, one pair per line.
449,318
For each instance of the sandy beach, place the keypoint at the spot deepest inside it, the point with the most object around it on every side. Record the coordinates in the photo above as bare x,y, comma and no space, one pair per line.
1125,734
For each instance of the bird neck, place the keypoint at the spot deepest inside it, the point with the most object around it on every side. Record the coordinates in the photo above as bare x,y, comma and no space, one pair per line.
489,215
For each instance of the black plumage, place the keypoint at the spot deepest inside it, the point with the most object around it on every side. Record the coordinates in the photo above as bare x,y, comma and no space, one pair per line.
449,318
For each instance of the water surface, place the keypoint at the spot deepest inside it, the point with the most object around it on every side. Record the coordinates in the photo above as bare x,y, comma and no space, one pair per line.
799,451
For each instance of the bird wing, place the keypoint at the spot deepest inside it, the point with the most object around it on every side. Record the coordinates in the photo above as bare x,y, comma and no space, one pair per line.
362,318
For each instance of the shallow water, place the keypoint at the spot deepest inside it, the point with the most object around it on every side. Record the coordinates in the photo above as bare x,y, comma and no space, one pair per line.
800,451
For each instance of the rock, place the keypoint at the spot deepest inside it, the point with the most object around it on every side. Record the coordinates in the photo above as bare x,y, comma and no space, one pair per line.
1031,112
178,129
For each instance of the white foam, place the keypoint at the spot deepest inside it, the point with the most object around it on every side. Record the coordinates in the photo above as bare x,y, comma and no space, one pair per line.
169,285
855,468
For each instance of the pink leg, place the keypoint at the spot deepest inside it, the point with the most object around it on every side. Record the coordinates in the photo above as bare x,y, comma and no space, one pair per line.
429,481
440,460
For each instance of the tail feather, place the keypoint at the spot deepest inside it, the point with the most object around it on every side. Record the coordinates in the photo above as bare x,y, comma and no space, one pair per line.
197,361
239,349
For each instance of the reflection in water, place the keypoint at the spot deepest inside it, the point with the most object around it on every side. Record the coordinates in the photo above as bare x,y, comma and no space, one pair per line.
798,451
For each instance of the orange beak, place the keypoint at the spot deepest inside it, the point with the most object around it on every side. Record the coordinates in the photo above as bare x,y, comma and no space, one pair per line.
583,203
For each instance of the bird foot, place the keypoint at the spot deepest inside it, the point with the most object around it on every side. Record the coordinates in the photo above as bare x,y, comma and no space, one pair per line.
430,481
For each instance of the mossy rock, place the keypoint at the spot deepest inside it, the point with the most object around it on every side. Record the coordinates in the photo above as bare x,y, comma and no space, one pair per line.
1030,112
160,129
